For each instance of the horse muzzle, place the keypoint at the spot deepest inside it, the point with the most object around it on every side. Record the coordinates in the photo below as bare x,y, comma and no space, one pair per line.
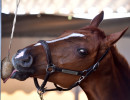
22,62
22,59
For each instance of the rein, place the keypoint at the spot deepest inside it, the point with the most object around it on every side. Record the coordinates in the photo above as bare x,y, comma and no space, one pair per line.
51,68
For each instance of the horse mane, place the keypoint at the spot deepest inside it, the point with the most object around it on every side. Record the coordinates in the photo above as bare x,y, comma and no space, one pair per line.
121,63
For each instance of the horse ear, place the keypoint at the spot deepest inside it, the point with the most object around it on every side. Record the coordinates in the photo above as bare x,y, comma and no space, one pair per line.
97,20
113,38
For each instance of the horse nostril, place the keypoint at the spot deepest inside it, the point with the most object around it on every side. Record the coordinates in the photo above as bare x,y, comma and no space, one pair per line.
27,59
27,62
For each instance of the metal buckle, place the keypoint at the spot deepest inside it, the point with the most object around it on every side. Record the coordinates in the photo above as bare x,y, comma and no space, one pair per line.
95,66
50,69
80,79
40,93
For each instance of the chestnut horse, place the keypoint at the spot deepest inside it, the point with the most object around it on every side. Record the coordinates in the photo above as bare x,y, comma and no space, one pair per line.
77,50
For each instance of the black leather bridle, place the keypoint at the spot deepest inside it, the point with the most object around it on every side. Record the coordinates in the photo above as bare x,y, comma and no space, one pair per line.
51,68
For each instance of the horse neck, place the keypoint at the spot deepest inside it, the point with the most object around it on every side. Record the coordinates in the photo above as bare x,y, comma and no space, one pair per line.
110,81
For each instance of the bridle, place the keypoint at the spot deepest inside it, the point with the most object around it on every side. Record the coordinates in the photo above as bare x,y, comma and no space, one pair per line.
51,68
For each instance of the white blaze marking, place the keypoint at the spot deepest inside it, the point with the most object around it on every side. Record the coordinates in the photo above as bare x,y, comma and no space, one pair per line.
66,37
20,54
37,44
63,38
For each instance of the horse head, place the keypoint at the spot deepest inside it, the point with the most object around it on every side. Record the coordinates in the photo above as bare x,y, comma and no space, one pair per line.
74,50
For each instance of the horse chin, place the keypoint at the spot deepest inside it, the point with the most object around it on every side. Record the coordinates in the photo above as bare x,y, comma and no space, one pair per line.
19,76
21,73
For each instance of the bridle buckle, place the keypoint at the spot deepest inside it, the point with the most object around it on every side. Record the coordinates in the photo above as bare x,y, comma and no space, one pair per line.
80,79
40,93
95,66
50,68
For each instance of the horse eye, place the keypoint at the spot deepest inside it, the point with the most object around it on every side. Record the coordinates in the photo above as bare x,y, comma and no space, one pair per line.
82,51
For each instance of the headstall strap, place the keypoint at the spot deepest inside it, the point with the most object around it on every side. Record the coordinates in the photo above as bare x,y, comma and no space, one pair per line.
51,68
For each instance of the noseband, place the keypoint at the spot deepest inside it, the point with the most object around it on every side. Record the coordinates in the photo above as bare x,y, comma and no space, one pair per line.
51,68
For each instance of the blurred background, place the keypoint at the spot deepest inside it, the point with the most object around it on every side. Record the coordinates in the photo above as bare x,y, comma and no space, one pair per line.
47,19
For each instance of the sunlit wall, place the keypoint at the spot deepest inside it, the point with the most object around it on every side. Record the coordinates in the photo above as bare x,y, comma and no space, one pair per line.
20,95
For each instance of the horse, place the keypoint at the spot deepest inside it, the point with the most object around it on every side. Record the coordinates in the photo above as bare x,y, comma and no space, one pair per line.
105,73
